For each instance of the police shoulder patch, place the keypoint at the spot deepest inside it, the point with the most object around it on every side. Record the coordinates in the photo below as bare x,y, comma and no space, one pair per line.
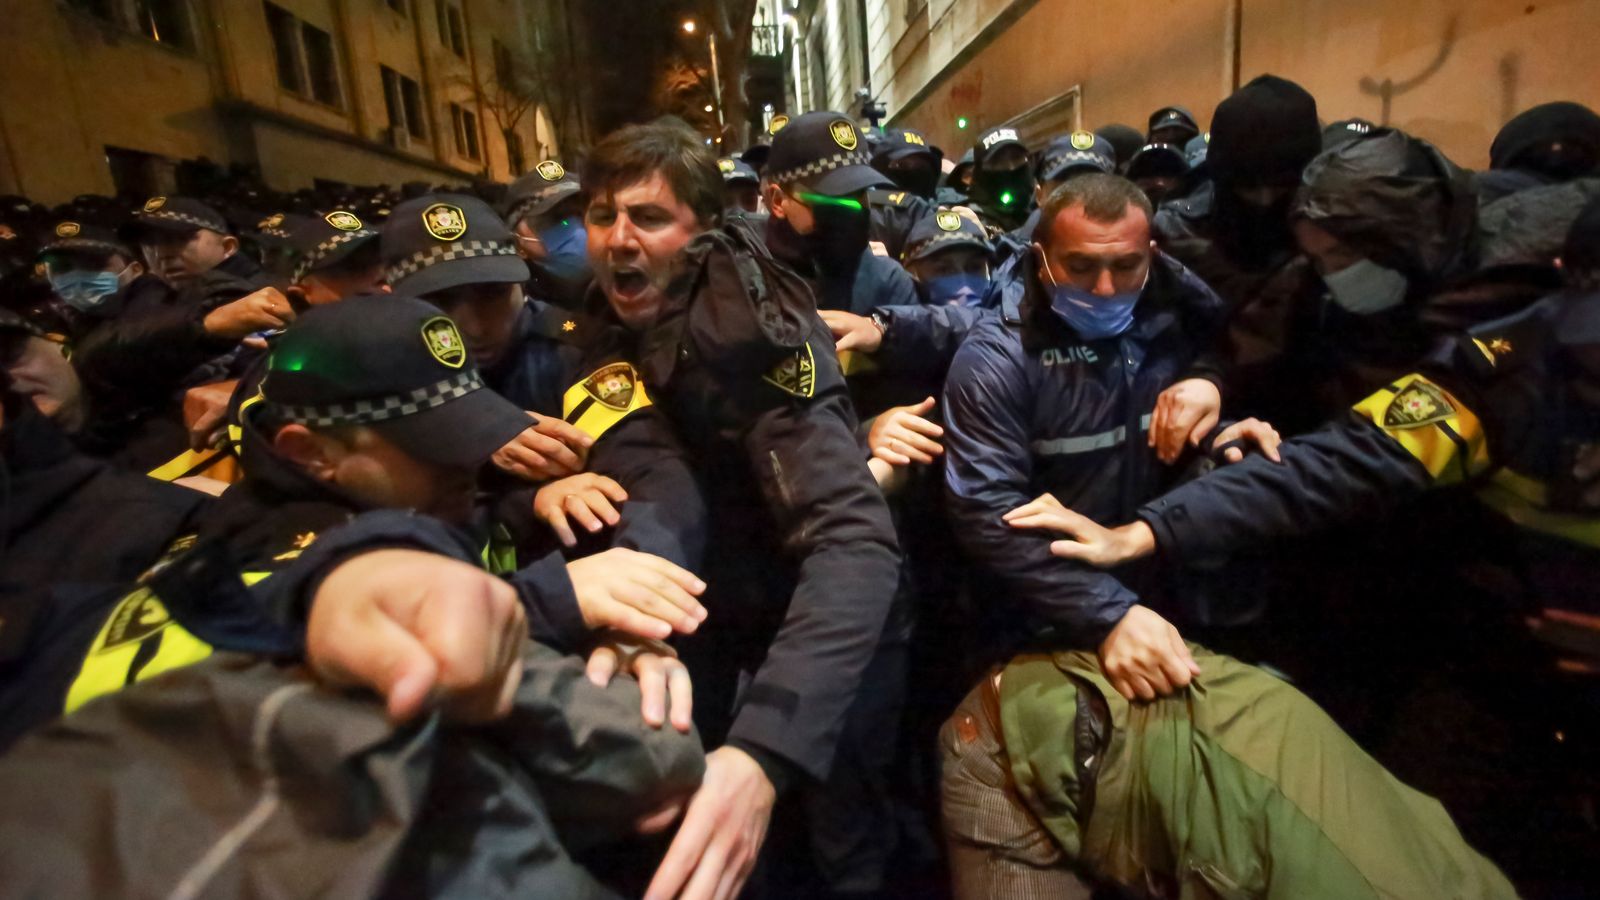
444,221
844,133
550,170
444,341
795,375
154,203
612,385
342,220
947,220
67,229
1416,405
1082,140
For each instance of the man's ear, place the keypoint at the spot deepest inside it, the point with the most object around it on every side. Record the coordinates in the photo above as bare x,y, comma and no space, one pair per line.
230,244
774,197
312,453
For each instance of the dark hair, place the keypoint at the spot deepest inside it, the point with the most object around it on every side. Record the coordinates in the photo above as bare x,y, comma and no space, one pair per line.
632,154
1105,199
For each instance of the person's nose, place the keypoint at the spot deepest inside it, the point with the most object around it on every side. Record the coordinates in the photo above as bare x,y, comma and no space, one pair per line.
1104,286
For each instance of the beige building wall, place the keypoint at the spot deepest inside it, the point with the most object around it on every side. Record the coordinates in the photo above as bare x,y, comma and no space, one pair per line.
76,84
1457,69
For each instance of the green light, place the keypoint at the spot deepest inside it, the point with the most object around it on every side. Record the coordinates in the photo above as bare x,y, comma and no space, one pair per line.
1006,198
824,200
961,122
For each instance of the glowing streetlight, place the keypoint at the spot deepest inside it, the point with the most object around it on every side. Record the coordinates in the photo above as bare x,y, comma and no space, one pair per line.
710,108
688,26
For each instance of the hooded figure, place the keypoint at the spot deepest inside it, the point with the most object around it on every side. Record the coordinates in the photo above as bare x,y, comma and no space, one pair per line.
1550,143
1262,137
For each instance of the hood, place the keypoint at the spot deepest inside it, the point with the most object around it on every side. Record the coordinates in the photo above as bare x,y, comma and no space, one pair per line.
1530,227
1396,200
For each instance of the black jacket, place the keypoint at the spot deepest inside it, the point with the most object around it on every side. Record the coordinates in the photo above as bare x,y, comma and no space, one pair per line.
803,561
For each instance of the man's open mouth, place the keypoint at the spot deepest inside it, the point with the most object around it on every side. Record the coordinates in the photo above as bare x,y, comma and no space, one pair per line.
629,282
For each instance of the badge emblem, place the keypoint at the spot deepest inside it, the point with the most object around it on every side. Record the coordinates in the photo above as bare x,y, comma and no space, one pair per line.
444,341
154,203
777,124
1419,404
67,229
136,618
844,134
273,221
1082,140
796,375
344,221
947,220
726,165
612,385
444,221
550,170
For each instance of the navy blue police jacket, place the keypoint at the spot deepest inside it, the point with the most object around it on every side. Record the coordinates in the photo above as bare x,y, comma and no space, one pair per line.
1031,408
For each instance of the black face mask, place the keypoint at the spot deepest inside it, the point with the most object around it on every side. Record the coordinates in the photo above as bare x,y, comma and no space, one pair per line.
920,181
996,187
839,239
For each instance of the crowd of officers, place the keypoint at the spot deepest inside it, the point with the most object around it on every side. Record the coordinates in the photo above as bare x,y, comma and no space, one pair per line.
1131,514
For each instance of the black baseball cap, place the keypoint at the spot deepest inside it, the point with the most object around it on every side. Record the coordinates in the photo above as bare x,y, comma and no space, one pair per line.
736,170
439,241
76,236
1158,160
272,231
396,364
1078,150
943,229
899,143
540,190
322,241
174,216
1173,117
826,151
993,141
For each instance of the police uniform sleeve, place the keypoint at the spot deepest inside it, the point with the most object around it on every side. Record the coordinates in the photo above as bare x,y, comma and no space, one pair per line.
835,524
989,472
1410,435
922,339
665,513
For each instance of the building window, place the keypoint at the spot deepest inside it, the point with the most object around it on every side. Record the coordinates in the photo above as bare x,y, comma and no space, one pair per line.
452,28
162,21
502,64
307,63
403,99
516,156
465,123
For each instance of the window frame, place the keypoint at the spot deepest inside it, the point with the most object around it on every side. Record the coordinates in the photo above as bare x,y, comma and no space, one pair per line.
306,87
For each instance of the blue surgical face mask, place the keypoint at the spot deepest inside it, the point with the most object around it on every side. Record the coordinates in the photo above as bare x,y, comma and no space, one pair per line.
962,289
565,238
1092,316
85,291
1366,287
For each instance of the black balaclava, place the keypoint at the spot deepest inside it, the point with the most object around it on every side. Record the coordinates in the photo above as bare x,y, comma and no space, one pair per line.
1265,133
1125,139
1529,141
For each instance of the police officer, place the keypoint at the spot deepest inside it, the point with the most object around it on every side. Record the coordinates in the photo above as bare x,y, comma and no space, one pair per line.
454,251
742,187
1548,144
1002,179
948,255
370,404
1171,125
544,208
803,553
956,185
906,157
1160,170
1064,157
183,238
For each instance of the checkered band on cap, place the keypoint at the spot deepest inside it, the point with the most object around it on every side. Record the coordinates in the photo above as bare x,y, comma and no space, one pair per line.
439,253
941,238
1075,156
364,412
520,211
170,216
821,167
316,256
80,243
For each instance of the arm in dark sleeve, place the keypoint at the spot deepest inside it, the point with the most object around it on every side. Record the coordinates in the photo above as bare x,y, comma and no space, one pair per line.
989,472
141,358
597,766
922,339
835,523
665,513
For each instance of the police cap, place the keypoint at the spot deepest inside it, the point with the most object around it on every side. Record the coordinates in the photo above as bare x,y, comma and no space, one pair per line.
396,364
1083,150
174,216
439,241
320,242
735,171
538,191
1158,160
825,151
940,230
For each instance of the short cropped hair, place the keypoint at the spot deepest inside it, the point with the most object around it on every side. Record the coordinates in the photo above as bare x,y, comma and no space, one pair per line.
1105,199
633,153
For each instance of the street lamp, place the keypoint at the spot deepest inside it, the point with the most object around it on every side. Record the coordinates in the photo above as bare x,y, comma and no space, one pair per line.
689,27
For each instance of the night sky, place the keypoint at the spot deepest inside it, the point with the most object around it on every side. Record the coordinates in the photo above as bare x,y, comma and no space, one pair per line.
632,40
